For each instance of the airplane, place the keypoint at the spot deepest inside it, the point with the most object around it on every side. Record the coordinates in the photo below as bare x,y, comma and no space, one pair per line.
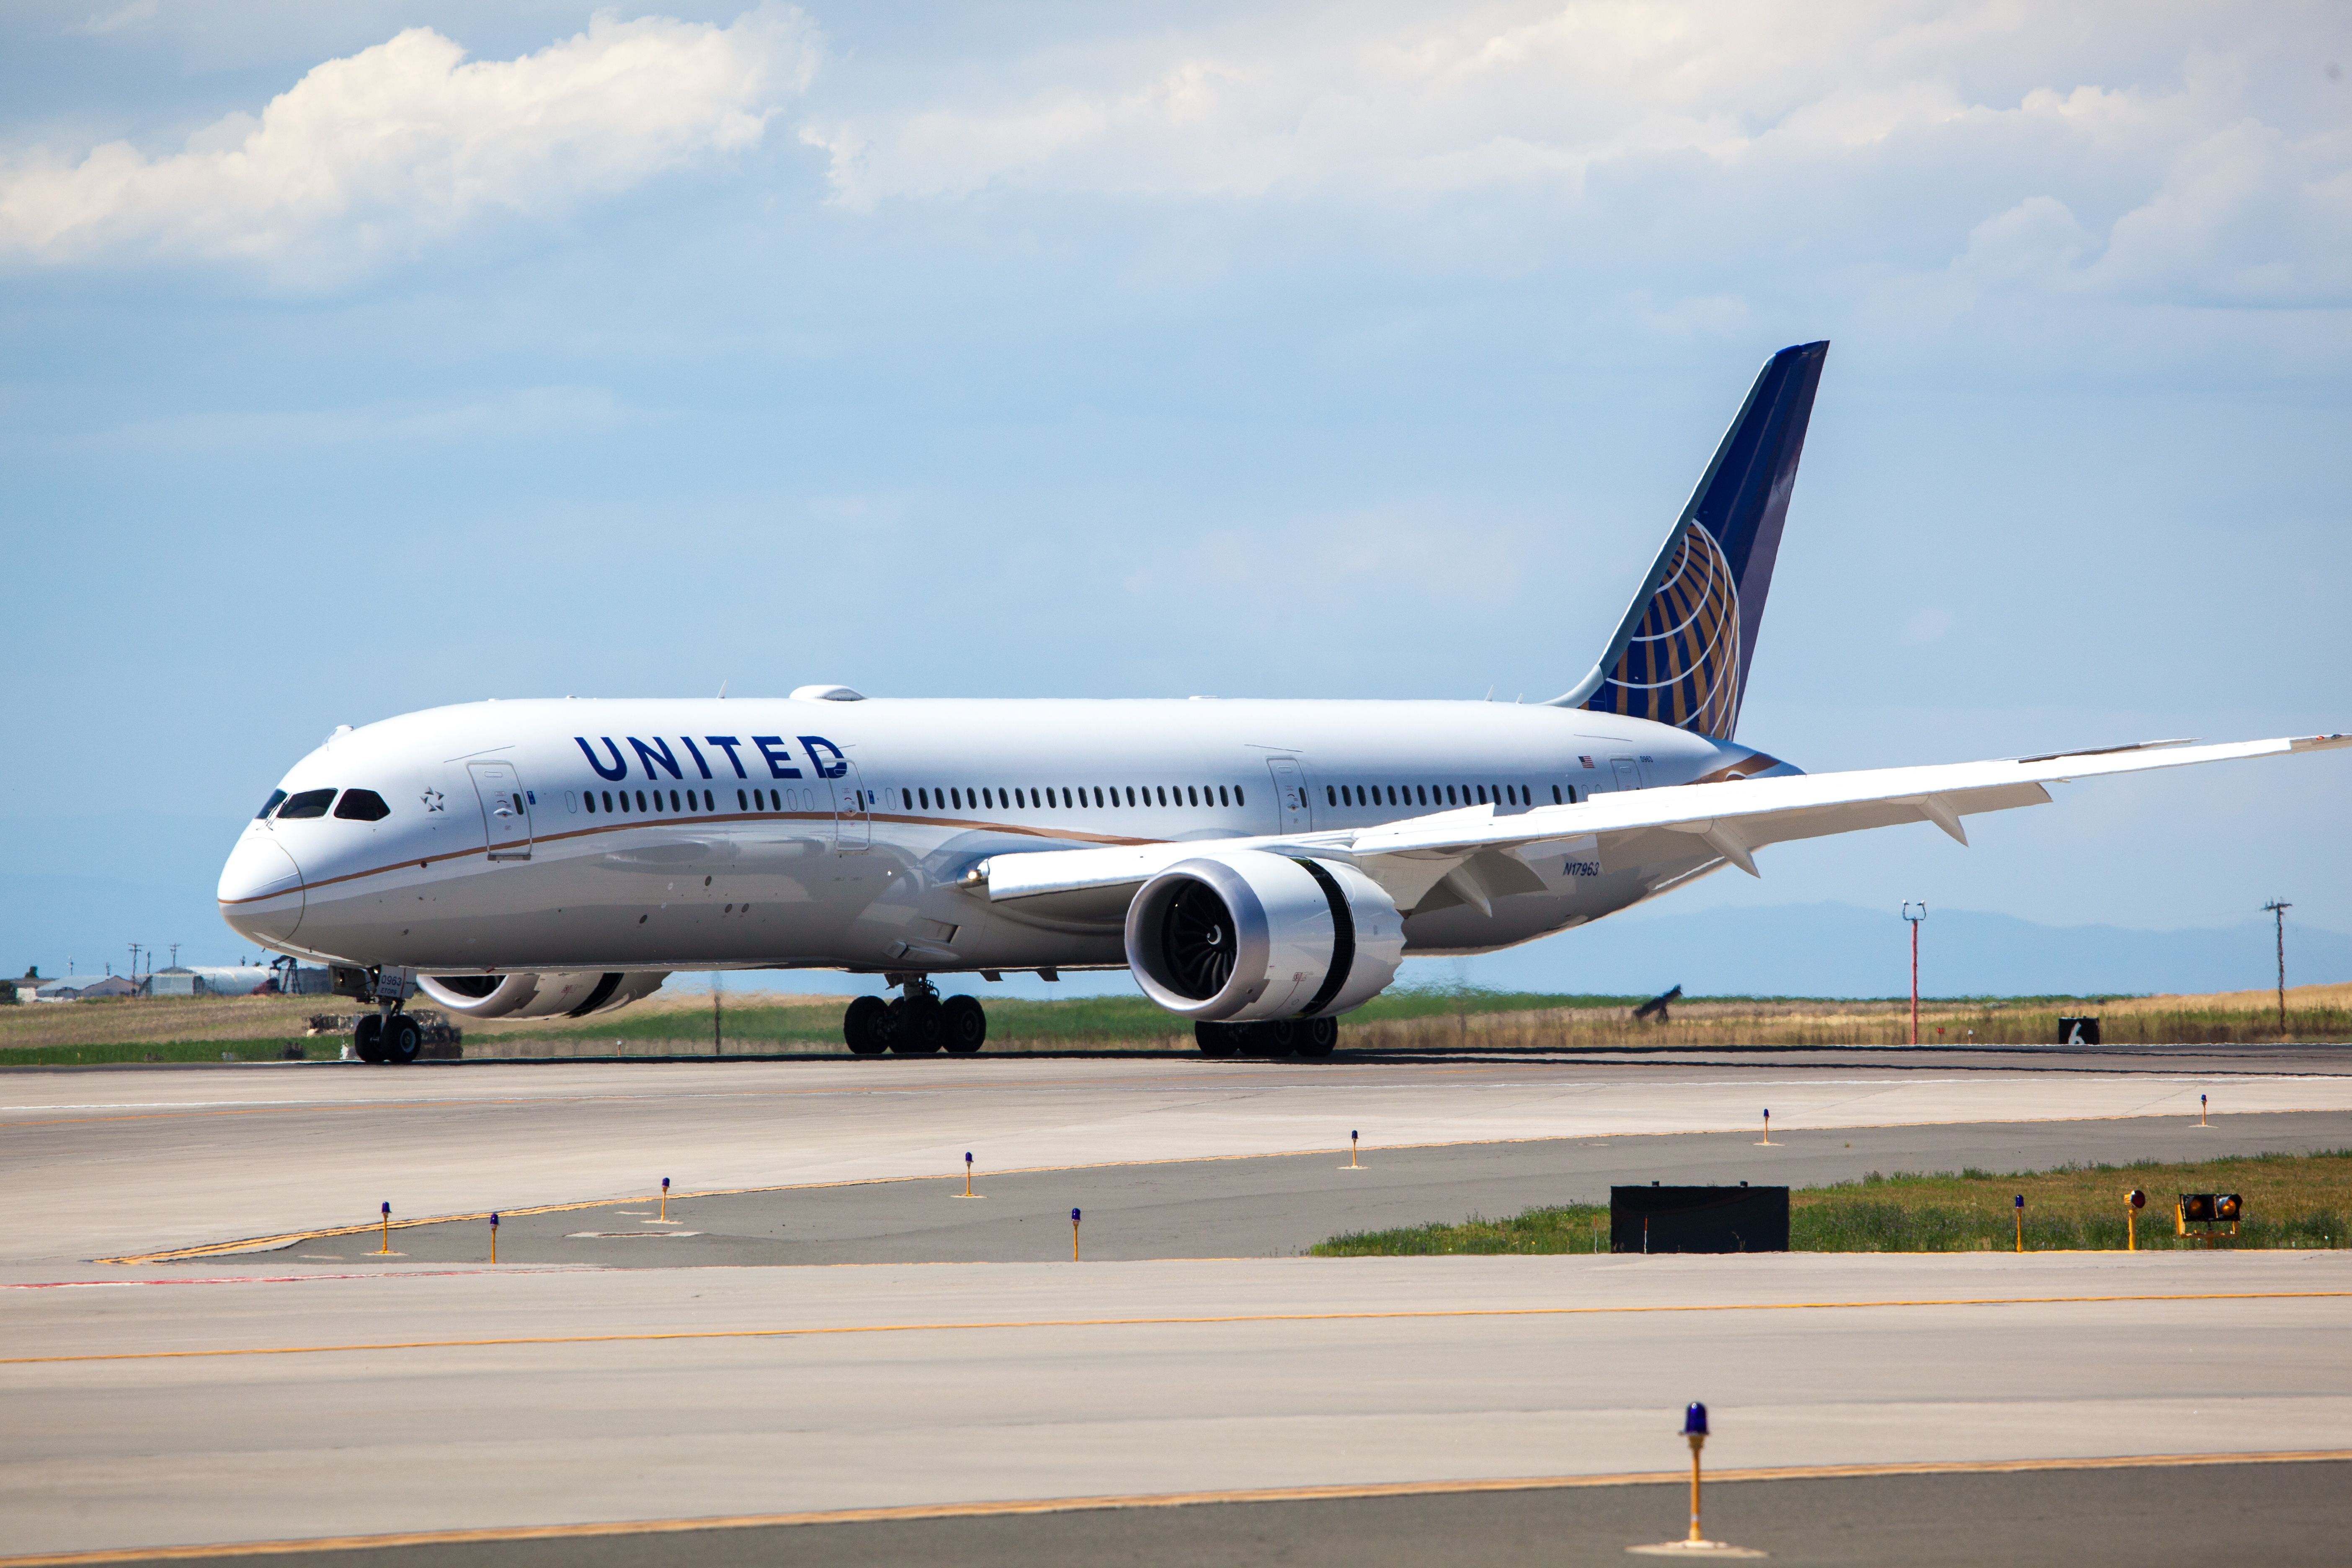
1260,866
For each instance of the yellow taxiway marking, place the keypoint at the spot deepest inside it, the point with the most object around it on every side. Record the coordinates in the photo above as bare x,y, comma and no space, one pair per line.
1011,1506
1409,1315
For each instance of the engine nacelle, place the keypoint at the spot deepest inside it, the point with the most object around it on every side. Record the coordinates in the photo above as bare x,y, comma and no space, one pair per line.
1248,936
574,993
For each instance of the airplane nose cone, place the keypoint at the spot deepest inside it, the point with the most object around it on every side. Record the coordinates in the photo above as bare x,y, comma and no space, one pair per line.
261,890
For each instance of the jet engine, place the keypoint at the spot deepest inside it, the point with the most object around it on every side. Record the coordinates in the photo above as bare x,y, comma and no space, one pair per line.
575,994
1253,935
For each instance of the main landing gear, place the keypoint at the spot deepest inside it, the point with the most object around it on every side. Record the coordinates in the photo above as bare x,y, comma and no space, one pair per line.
1312,1037
917,1024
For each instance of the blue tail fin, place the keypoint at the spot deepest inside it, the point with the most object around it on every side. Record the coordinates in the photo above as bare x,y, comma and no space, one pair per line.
1680,654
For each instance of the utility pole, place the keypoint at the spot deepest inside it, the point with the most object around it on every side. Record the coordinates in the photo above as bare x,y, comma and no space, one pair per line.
1915,920
2278,909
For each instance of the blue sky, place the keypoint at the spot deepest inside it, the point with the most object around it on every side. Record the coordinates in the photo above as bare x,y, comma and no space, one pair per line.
359,359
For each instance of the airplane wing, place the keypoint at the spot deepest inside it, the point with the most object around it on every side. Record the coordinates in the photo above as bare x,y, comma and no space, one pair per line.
1411,859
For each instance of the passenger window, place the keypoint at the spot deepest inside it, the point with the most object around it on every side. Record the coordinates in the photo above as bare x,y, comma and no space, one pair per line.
1223,798
1163,795
673,800
276,798
1449,795
310,803
590,796
1237,796
1330,796
956,795
1192,795
608,801
361,806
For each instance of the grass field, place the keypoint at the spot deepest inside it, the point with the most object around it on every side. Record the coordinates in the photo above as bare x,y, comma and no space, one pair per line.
2291,1201
756,1023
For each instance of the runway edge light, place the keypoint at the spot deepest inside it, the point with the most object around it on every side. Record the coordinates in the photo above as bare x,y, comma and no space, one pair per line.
1697,1543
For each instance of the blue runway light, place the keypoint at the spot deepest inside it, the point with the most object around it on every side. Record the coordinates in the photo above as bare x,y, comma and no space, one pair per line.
2021,1200
1694,1420
1074,1216
387,1209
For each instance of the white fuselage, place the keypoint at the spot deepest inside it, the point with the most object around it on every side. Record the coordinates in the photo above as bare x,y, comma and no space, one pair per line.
644,835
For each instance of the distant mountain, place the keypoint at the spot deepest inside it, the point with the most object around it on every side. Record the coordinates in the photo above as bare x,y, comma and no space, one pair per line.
1839,950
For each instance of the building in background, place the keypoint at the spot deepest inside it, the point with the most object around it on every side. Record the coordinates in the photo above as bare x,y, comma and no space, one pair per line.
85,988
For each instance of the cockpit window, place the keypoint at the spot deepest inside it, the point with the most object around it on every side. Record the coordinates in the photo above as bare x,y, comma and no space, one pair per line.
270,805
361,806
310,803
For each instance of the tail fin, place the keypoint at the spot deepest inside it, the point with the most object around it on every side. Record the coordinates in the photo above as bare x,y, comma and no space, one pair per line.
1680,654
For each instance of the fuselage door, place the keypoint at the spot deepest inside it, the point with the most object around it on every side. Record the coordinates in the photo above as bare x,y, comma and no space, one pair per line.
853,814
1290,795
505,809
1628,771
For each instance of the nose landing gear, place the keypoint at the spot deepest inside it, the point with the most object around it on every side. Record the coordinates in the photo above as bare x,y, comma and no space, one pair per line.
918,1023
388,1034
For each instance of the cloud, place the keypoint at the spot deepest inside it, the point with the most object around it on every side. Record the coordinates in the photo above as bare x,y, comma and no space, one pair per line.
378,156
2013,146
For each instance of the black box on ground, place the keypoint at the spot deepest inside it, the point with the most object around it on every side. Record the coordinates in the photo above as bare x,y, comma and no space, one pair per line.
1698,1219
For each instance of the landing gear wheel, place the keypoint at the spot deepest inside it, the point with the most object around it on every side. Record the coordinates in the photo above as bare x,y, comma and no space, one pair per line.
1218,1039
1275,1037
964,1023
916,1028
367,1039
402,1040
865,1026
1317,1036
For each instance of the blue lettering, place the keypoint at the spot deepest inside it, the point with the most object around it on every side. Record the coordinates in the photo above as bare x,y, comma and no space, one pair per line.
620,768
648,755
728,744
697,755
779,756
837,767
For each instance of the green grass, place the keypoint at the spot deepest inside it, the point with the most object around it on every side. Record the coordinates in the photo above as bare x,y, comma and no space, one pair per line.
2296,1201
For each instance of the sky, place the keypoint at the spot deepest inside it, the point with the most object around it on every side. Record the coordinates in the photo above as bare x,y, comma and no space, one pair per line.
359,359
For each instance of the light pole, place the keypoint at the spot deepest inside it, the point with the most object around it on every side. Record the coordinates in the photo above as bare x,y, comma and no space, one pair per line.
1915,920
2278,909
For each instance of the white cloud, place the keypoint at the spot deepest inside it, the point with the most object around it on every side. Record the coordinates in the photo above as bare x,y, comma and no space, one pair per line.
376,155
2194,153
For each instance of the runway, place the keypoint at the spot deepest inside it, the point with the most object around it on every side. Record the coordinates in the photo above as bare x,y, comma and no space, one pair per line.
921,1352
1273,1205
104,1165
438,1400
